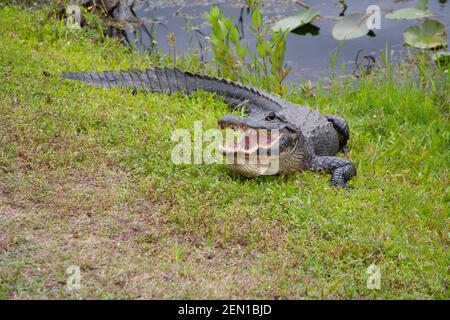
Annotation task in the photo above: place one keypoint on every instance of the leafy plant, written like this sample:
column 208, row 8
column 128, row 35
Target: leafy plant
column 236, row 61
column 252, row 4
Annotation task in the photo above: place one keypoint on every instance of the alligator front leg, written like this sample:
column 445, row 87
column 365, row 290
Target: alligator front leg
column 341, row 169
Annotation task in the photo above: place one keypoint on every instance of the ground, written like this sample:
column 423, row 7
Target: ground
column 86, row 180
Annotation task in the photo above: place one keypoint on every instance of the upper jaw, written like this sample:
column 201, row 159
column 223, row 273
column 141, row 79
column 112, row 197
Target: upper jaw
column 257, row 141
column 235, row 123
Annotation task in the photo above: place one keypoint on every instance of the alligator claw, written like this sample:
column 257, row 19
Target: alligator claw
column 340, row 185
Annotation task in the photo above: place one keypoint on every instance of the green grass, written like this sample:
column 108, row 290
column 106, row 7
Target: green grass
column 86, row 179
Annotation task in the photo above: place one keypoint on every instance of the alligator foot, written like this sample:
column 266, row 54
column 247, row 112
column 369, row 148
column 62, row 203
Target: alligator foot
column 342, row 170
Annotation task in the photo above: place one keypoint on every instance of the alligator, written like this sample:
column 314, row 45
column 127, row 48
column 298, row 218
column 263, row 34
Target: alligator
column 304, row 138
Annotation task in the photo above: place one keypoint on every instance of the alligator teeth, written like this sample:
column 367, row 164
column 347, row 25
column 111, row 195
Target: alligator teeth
column 250, row 142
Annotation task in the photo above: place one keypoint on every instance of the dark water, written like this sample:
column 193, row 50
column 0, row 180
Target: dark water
column 308, row 50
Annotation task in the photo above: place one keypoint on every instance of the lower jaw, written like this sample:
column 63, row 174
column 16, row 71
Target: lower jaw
column 261, row 168
column 254, row 171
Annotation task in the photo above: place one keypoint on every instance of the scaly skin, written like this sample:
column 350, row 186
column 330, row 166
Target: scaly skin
column 310, row 140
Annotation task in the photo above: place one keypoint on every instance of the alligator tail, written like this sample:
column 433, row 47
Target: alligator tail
column 172, row 80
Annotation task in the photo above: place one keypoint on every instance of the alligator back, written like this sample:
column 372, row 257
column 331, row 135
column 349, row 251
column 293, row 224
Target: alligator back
column 316, row 128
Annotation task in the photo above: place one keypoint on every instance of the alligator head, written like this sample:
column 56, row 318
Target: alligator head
column 259, row 144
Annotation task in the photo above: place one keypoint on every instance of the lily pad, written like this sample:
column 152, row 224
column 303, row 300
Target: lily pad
column 298, row 19
column 350, row 27
column 428, row 36
column 418, row 12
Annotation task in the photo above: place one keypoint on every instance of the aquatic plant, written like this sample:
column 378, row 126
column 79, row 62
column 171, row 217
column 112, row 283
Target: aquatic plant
column 234, row 59
column 418, row 12
column 431, row 34
column 296, row 20
column 351, row 26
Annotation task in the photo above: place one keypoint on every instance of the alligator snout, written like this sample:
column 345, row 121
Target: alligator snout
column 232, row 122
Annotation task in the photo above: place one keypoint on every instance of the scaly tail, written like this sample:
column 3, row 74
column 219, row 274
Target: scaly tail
column 171, row 80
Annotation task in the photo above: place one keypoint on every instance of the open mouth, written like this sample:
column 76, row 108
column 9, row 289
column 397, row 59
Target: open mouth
column 249, row 141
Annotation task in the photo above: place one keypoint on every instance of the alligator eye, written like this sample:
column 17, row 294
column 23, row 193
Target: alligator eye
column 271, row 116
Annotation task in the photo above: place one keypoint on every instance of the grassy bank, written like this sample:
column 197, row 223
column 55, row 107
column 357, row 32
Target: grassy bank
column 86, row 179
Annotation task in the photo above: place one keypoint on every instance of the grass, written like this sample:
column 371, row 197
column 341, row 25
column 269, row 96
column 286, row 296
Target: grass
column 86, row 179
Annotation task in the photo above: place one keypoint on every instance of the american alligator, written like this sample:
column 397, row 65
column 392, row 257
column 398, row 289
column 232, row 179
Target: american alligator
column 305, row 139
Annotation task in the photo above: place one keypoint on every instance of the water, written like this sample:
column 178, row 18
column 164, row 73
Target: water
column 307, row 50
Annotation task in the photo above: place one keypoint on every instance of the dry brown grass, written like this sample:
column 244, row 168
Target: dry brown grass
column 120, row 240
